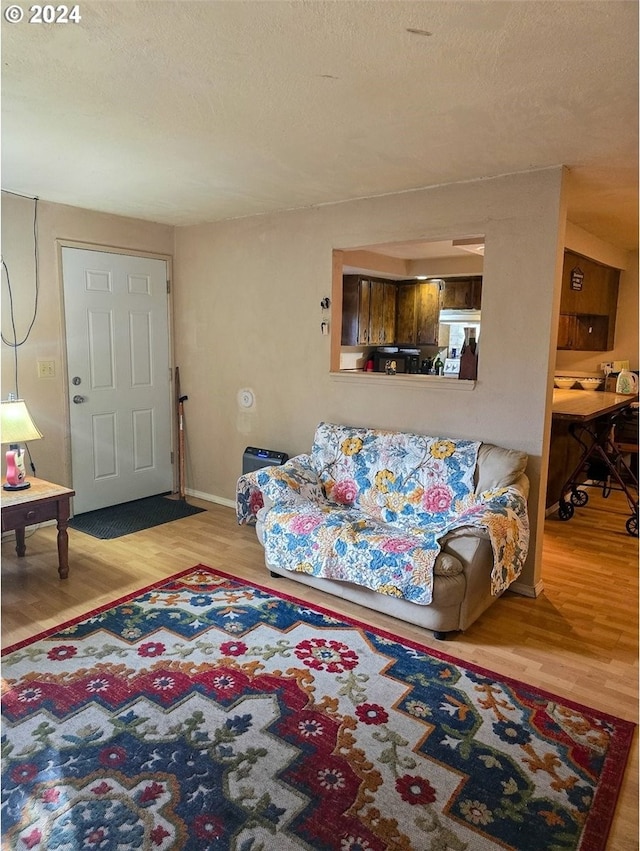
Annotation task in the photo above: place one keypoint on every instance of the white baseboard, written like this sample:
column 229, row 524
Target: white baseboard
column 209, row 497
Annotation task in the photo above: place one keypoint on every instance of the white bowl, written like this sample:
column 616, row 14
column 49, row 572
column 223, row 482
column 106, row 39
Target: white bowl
column 564, row 383
column 591, row 383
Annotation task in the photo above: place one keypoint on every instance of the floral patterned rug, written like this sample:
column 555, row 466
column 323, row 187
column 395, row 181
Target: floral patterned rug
column 207, row 713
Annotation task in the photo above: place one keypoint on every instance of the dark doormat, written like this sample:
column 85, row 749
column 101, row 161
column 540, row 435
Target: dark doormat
column 128, row 517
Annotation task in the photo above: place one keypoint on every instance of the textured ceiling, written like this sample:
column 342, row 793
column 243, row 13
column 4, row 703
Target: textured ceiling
column 184, row 112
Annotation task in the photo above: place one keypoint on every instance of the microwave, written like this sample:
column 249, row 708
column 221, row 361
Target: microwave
column 400, row 362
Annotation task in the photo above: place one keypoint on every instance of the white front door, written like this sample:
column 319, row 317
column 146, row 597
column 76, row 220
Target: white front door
column 119, row 373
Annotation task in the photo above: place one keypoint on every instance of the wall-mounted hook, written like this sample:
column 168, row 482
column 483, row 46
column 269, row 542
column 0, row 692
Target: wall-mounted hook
column 325, row 304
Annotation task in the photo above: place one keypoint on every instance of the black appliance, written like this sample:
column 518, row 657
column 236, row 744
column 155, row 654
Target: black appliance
column 400, row 362
column 255, row 459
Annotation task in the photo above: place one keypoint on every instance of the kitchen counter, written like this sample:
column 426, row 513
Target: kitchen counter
column 416, row 381
column 585, row 405
column 572, row 409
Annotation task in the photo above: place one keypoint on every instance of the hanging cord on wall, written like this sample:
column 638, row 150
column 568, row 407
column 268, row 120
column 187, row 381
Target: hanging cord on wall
column 15, row 343
column 13, row 328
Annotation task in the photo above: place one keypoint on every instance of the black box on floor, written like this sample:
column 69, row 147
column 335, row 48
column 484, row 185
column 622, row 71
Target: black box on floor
column 255, row 459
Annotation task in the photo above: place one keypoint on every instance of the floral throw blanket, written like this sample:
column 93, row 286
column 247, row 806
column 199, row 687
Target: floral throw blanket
column 370, row 507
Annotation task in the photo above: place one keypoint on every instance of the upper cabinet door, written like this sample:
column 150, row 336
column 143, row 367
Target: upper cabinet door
column 461, row 294
column 418, row 314
column 389, row 302
column 590, row 296
column 376, row 313
column 428, row 314
column 356, row 297
column 588, row 287
column 407, row 314
column 364, row 312
column 368, row 311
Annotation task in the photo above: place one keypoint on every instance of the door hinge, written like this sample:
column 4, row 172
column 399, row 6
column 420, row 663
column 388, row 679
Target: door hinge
column 168, row 286
column 172, row 457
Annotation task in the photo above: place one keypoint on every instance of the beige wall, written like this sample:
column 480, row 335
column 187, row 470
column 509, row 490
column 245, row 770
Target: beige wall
column 47, row 397
column 247, row 314
column 247, row 306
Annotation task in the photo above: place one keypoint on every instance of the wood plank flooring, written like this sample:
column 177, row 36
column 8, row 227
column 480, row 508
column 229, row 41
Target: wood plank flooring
column 579, row 639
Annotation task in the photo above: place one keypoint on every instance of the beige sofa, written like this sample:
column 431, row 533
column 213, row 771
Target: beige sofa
column 485, row 533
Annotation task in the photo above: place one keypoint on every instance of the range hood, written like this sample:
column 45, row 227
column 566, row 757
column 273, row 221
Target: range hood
column 449, row 317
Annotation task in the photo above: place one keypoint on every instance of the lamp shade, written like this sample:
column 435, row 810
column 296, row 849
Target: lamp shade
column 16, row 425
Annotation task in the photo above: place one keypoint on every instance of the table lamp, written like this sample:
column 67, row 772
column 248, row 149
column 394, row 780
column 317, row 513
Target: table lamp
column 16, row 426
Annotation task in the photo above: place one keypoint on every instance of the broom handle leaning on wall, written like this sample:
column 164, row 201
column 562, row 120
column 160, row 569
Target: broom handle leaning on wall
column 181, row 465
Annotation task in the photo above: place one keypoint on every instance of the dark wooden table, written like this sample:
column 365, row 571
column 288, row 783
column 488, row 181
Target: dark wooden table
column 41, row 502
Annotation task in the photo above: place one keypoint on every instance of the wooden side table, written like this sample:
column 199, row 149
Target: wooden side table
column 41, row 502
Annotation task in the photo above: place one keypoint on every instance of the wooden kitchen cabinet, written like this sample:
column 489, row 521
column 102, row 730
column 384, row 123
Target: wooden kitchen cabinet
column 350, row 310
column 428, row 314
column 461, row 294
column 582, row 332
column 564, row 455
column 588, row 314
column 417, row 314
column 599, row 287
column 368, row 311
column 379, row 312
column 407, row 313
column 382, row 313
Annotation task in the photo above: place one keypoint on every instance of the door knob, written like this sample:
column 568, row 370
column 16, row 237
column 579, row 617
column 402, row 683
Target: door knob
column 78, row 400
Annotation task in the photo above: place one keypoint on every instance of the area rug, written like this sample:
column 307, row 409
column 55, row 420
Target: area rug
column 128, row 517
column 208, row 713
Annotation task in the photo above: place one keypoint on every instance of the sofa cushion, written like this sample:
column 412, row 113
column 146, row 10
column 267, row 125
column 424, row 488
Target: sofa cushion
column 498, row 467
column 447, row 565
column 341, row 543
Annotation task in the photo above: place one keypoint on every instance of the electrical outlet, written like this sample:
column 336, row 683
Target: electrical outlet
column 46, row 369
column 619, row 365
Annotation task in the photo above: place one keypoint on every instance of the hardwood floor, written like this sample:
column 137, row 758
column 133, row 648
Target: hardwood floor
column 579, row 639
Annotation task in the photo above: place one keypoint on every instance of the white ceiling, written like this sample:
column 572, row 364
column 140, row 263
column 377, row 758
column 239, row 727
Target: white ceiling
column 184, row 112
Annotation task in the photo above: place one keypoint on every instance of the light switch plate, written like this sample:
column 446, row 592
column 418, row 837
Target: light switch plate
column 46, row 369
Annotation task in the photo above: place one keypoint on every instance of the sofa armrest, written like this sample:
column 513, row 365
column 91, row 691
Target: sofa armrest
column 292, row 480
column 520, row 488
column 465, row 532
column 502, row 514
column 249, row 499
